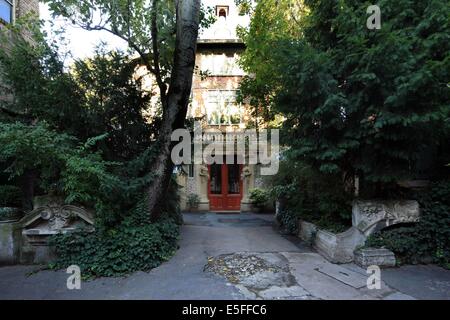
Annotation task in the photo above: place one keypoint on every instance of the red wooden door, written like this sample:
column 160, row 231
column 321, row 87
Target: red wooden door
column 225, row 187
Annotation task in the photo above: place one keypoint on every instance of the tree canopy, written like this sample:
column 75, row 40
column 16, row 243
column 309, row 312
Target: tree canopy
column 355, row 102
column 164, row 35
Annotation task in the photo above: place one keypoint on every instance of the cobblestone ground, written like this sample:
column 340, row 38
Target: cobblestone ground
column 234, row 256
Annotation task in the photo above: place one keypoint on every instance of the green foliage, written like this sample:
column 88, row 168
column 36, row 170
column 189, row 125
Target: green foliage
column 354, row 101
column 8, row 213
column 193, row 200
column 114, row 101
column 54, row 110
column 10, row 196
column 119, row 251
column 429, row 239
column 304, row 193
column 289, row 221
column 259, row 197
column 65, row 167
column 31, row 147
column 34, row 75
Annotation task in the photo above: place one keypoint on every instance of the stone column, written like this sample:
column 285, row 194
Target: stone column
column 248, row 183
column 201, row 174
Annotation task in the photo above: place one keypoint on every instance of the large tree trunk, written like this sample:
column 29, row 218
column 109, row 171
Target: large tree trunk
column 175, row 104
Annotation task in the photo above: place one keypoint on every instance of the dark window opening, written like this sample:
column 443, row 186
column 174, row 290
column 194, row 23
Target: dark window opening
column 216, row 179
column 222, row 11
column 234, row 178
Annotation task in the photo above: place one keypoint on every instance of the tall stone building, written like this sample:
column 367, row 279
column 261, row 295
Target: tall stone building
column 220, row 187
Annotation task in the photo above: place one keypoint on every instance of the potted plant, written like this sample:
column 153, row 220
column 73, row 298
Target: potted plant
column 259, row 199
column 193, row 200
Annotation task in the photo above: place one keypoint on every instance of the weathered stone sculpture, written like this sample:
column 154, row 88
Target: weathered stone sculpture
column 26, row 240
column 45, row 221
column 370, row 216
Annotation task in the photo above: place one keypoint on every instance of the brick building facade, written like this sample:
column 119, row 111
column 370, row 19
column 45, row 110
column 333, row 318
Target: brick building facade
column 220, row 187
column 10, row 10
column 13, row 9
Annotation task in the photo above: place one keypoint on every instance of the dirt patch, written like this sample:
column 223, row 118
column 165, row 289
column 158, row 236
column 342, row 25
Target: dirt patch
column 257, row 275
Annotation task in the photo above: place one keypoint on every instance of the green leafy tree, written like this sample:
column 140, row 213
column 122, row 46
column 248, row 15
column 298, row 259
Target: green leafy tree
column 34, row 81
column 60, row 163
column 81, row 133
column 164, row 35
column 45, row 119
column 114, row 101
column 355, row 102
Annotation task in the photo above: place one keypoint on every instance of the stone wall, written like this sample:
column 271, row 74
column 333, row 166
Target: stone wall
column 21, row 8
column 24, row 7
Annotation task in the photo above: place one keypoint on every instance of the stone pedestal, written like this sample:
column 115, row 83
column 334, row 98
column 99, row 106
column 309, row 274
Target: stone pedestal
column 203, row 205
column 246, row 206
column 307, row 231
column 374, row 256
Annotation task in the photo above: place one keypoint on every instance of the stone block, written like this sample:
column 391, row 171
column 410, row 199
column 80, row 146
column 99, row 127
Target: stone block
column 335, row 247
column 338, row 247
column 306, row 231
column 374, row 256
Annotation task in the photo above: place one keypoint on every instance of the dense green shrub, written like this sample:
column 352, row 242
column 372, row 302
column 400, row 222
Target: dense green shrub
column 8, row 213
column 354, row 101
column 66, row 167
column 119, row 251
column 429, row 239
column 307, row 194
column 56, row 109
column 193, row 200
column 10, row 196
column 259, row 197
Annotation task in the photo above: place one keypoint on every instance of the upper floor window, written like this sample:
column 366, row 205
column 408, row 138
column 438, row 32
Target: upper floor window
column 222, row 11
column 6, row 11
column 221, row 64
column 222, row 108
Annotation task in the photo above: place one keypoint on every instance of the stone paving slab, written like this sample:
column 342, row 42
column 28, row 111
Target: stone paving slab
column 351, row 278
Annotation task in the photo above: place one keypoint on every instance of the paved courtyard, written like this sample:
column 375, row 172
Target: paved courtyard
column 234, row 256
